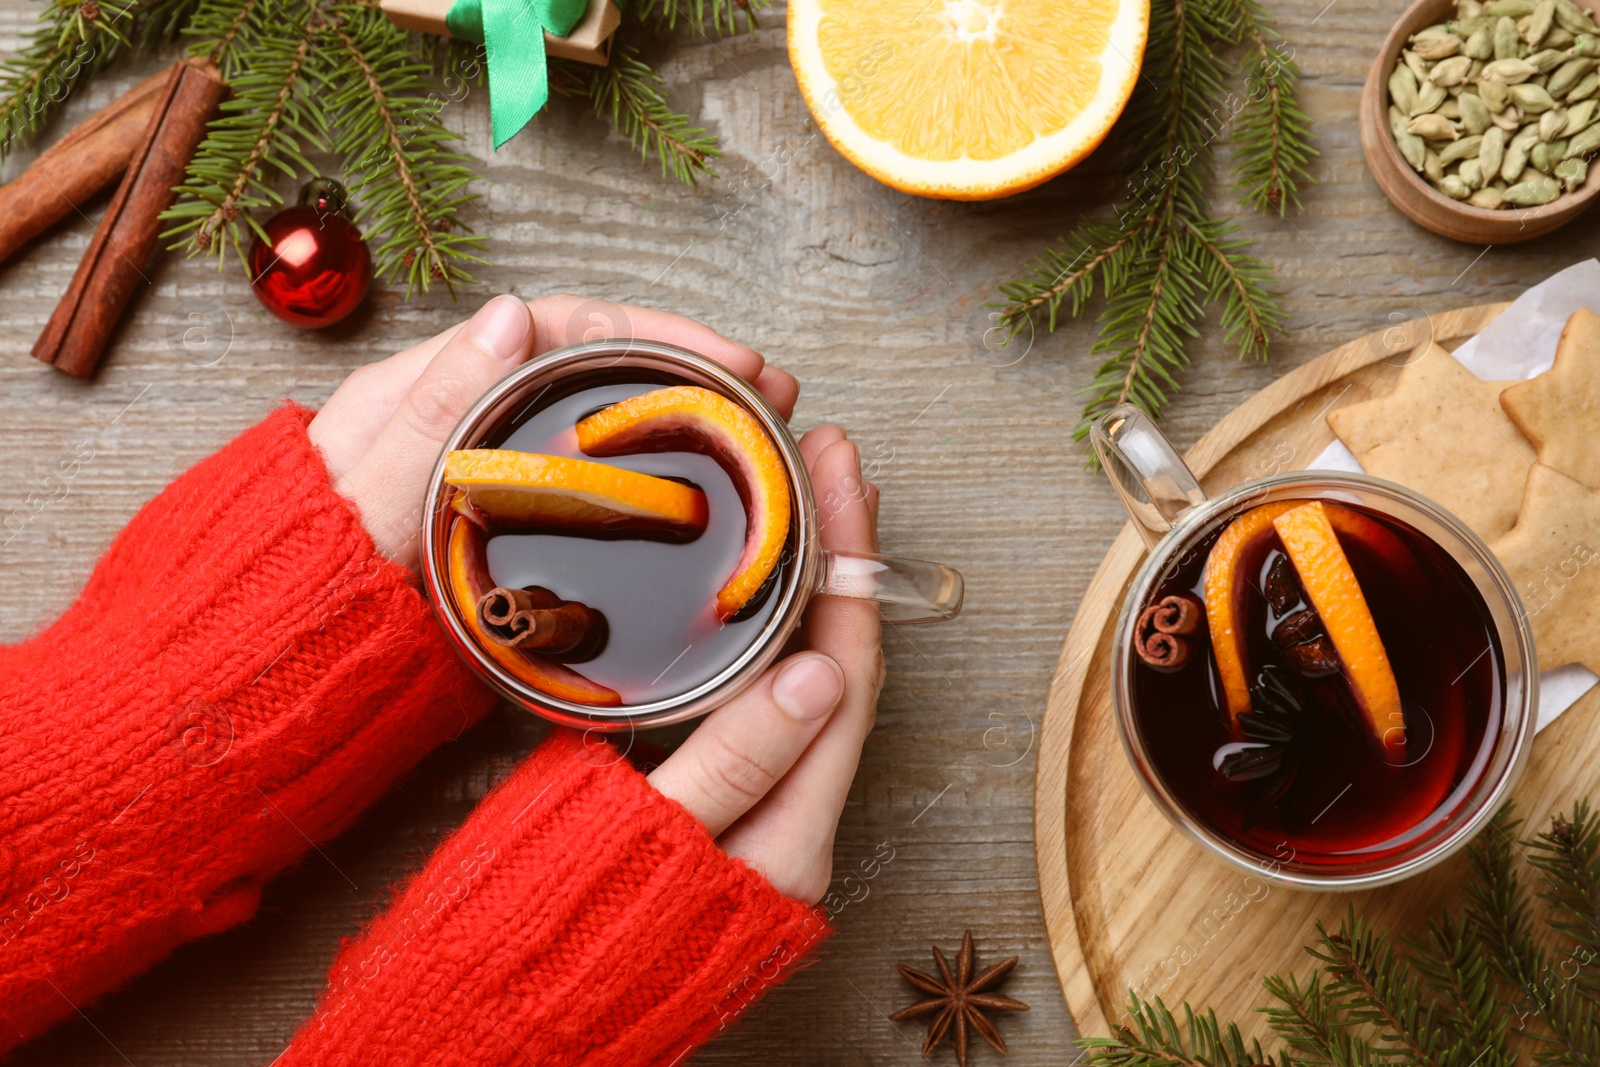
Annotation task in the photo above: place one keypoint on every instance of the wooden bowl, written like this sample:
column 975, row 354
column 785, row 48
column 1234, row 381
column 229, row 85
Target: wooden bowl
column 1411, row 193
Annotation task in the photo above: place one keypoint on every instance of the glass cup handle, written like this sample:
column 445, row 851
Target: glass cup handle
column 1155, row 485
column 905, row 590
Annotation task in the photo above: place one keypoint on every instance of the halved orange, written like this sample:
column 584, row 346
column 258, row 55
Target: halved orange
column 689, row 418
column 1225, row 581
column 469, row 580
column 966, row 99
column 533, row 490
column 1330, row 584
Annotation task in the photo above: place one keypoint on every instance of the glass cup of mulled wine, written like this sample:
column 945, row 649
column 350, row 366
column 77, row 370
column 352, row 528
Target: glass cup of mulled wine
column 1321, row 677
column 623, row 534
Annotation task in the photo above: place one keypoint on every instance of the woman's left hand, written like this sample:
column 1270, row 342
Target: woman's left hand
column 381, row 431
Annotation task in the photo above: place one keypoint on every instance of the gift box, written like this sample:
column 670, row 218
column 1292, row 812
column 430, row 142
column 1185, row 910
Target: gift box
column 589, row 41
column 518, row 36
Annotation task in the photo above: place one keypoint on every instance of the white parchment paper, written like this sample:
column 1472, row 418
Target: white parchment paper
column 1520, row 344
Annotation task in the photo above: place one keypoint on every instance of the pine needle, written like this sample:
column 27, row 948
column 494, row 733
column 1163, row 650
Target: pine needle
column 706, row 17
column 631, row 96
column 1164, row 259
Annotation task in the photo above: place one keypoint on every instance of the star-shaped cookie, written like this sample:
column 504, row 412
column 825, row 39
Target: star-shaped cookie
column 1559, row 411
column 1553, row 557
column 1442, row 433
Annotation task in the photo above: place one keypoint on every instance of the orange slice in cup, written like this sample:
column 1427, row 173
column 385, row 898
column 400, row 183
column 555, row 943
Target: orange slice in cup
column 1226, row 579
column 469, row 580
column 1330, row 584
column 510, row 488
column 689, row 418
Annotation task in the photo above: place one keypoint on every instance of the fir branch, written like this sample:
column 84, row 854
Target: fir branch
column 1379, row 990
column 705, row 17
column 631, row 96
column 410, row 188
column 1448, row 963
column 1569, row 856
column 260, row 133
column 1502, row 923
column 1155, row 1039
column 1311, row 1024
column 1164, row 257
column 71, row 40
column 1272, row 133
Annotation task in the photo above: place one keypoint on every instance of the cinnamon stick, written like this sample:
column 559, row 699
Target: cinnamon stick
column 91, row 156
column 112, row 268
column 535, row 619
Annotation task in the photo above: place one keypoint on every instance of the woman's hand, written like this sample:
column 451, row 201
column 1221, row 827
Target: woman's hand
column 381, row 431
column 767, row 773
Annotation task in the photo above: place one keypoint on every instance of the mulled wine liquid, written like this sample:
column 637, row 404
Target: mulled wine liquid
column 657, row 596
column 1341, row 802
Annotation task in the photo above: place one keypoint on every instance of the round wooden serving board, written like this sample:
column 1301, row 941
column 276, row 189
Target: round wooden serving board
column 1129, row 902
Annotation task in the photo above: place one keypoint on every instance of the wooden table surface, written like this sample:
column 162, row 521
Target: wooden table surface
column 878, row 302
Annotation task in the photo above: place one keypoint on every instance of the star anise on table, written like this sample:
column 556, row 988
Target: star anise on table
column 959, row 1000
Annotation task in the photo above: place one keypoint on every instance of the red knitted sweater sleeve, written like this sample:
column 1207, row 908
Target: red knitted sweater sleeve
column 241, row 675
column 577, row 918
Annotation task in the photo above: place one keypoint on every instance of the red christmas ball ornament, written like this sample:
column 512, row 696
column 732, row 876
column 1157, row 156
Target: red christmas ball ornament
column 313, row 269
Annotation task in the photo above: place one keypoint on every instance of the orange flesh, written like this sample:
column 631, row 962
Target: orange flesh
column 529, row 489
column 469, row 580
column 1330, row 584
column 690, row 418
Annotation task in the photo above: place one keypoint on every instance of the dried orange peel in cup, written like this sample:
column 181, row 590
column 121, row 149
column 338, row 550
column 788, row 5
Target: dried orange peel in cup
column 532, row 490
column 690, row 418
column 469, row 580
column 1309, row 532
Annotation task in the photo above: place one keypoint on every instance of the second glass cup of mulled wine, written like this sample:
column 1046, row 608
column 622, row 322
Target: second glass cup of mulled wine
column 624, row 533
column 1323, row 677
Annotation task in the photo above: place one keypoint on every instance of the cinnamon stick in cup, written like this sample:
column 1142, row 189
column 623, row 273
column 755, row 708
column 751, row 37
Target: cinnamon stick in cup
column 112, row 268
column 91, row 156
column 536, row 619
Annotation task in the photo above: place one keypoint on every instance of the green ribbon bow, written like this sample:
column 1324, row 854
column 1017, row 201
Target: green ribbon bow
column 512, row 33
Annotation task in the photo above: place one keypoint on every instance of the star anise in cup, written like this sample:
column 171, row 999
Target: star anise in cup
column 959, row 1000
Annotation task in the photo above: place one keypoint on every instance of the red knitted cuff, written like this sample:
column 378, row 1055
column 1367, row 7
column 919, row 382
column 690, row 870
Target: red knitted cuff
column 241, row 676
column 578, row 917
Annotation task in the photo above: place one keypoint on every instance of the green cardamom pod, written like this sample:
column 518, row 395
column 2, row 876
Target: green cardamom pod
column 1403, row 89
column 1574, row 19
column 1470, row 173
column 1583, row 144
column 1587, row 44
column 1532, row 99
column 1491, row 153
column 1551, row 123
column 1507, row 45
column 1539, row 22
column 1540, row 190
column 1548, row 60
column 1437, row 47
column 1478, row 45
column 1573, row 173
column 1465, row 148
column 1429, row 98
column 1579, row 116
column 1567, row 75
column 1509, row 71
column 1469, row 9
column 1452, row 71
column 1584, row 89
column 1433, row 127
column 1487, row 197
column 1516, row 157
column 1515, row 9
column 1474, row 113
column 1494, row 94
column 1432, row 167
